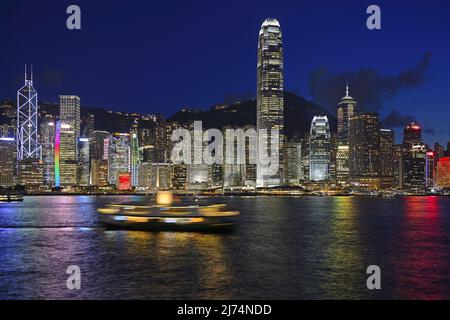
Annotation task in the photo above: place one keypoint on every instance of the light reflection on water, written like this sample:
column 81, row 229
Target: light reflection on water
column 309, row 247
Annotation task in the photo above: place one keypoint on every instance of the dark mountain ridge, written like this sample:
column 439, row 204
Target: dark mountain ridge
column 298, row 114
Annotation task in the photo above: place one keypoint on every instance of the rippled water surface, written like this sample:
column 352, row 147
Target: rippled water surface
column 292, row 248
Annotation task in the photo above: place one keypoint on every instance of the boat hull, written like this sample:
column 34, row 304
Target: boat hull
column 209, row 224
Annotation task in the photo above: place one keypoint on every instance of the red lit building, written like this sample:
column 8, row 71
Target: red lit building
column 124, row 181
column 443, row 173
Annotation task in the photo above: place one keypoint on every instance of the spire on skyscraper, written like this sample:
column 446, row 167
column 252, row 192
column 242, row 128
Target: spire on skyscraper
column 346, row 90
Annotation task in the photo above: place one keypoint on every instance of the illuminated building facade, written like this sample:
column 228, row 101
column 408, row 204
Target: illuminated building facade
column 415, row 168
column 83, row 162
column 145, row 171
column 7, row 161
column 99, row 155
column 412, row 136
column 387, row 154
column 135, row 157
column 119, row 157
column 342, row 164
column 66, row 164
column 319, row 149
column 124, row 181
column 346, row 109
column 293, row 163
column 179, row 177
column 69, row 112
column 99, row 172
column 364, row 145
column 430, row 164
column 30, row 174
column 47, row 142
column 443, row 172
column 270, row 95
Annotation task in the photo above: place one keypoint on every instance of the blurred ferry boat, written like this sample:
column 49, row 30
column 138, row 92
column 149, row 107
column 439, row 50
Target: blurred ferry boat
column 11, row 197
column 164, row 215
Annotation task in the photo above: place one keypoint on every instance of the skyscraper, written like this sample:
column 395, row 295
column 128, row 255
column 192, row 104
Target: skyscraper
column 412, row 136
column 415, row 168
column 347, row 107
column 7, row 161
column 119, row 157
column 69, row 112
column 364, row 143
column 270, row 99
column 430, row 164
column 66, row 164
column 342, row 164
column 293, row 163
column 27, row 121
column 319, row 149
column 443, row 173
column 99, row 154
column 135, row 158
column 387, row 152
column 83, row 162
column 47, row 142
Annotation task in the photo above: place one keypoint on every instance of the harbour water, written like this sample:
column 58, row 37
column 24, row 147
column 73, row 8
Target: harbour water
column 282, row 248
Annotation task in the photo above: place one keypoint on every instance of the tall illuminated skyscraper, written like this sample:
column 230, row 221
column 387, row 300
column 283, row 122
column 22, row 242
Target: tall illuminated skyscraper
column 412, row 136
column 415, row 168
column 47, row 141
column 387, row 141
column 66, row 166
column 83, row 162
column 69, row 112
column 347, row 107
column 270, row 99
column 135, row 157
column 27, row 121
column 364, row 142
column 319, row 149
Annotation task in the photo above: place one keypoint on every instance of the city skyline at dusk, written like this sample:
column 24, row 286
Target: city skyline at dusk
column 222, row 152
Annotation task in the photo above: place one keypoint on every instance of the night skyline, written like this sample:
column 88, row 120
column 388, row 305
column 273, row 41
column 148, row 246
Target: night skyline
column 223, row 157
column 204, row 59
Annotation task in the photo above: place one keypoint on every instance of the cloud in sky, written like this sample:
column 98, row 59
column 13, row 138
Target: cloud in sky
column 369, row 87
